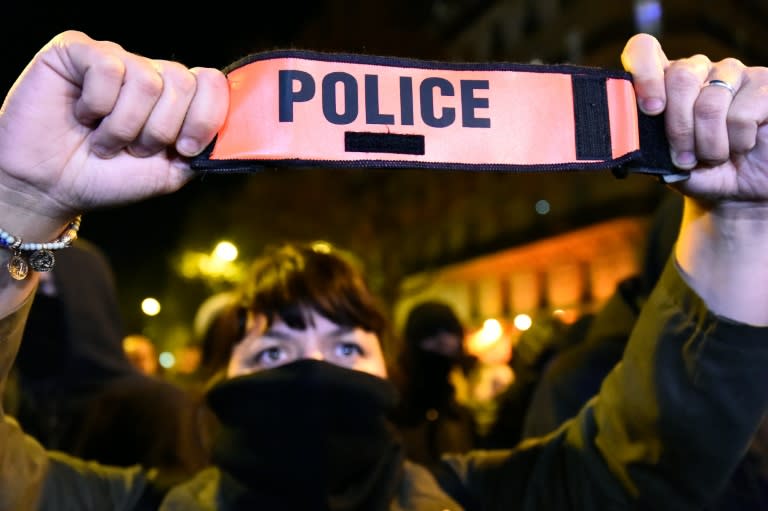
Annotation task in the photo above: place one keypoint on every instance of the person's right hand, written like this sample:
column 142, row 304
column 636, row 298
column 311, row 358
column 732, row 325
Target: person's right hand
column 89, row 124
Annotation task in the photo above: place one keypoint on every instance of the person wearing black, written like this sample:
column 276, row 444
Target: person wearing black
column 429, row 418
column 73, row 388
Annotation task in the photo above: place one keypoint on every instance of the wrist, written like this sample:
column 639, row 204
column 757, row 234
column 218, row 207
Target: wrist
column 721, row 251
column 31, row 225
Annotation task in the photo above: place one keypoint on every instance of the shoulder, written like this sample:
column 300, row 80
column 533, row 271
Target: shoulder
column 419, row 489
column 196, row 494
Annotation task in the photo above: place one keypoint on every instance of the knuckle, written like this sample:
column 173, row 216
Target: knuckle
column 122, row 132
column 759, row 76
column 739, row 122
column 68, row 36
column 711, row 151
column 679, row 130
column 159, row 135
column 178, row 76
column 150, row 84
column 708, row 110
column 731, row 64
column 210, row 76
column 201, row 126
column 680, row 79
column 112, row 69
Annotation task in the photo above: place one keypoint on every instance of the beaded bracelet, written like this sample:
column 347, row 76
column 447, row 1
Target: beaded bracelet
column 40, row 256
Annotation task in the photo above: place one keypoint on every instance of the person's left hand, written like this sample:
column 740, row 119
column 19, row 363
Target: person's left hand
column 715, row 115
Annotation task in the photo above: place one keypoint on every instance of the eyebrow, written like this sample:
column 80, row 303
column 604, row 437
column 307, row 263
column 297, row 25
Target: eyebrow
column 285, row 336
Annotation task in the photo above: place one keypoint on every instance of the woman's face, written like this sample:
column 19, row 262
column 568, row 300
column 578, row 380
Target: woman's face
column 322, row 339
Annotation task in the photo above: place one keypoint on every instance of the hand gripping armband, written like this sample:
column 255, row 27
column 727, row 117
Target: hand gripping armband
column 305, row 108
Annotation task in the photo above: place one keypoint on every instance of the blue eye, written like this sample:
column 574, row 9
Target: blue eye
column 269, row 356
column 349, row 349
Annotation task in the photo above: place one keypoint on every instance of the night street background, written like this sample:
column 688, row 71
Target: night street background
column 399, row 222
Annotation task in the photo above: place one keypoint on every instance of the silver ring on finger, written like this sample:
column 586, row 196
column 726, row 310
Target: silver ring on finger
column 722, row 83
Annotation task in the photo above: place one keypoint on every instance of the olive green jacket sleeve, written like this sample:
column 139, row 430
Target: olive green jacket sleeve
column 669, row 425
column 33, row 479
column 23, row 463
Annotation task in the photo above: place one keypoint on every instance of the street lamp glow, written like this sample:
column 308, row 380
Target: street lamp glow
column 492, row 330
column 150, row 306
column 523, row 322
column 225, row 251
column 321, row 247
column 167, row 360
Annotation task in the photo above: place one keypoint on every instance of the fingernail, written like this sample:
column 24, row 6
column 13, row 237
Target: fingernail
column 101, row 151
column 684, row 159
column 652, row 105
column 188, row 146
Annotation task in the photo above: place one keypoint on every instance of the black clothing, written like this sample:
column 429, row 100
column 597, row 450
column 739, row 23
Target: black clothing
column 315, row 426
column 77, row 392
column 667, row 430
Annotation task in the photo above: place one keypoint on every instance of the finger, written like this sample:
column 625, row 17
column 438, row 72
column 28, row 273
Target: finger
column 206, row 113
column 142, row 87
column 711, row 111
column 749, row 111
column 684, row 79
column 99, row 70
column 164, row 123
column 644, row 58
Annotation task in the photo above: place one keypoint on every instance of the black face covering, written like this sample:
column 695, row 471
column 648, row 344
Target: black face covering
column 430, row 385
column 43, row 354
column 307, row 435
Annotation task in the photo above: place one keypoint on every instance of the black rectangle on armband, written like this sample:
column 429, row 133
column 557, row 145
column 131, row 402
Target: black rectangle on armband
column 593, row 124
column 392, row 143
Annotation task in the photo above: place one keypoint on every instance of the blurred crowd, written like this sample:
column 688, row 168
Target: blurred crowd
column 83, row 386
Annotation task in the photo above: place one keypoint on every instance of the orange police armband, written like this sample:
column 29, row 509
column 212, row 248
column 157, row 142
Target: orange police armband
column 305, row 108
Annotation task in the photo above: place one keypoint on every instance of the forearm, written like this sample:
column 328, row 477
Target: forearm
column 676, row 416
column 722, row 253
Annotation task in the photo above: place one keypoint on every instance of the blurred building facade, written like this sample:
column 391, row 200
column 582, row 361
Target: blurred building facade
column 564, row 276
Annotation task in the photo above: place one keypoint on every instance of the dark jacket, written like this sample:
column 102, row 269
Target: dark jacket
column 575, row 374
column 75, row 389
column 669, row 426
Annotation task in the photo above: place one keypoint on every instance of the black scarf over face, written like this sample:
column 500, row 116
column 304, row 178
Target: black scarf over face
column 307, row 435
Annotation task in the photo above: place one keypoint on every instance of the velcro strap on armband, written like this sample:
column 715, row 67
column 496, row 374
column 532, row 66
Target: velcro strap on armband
column 304, row 108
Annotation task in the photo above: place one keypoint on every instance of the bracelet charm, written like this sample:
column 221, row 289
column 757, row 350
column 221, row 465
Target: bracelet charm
column 40, row 256
column 41, row 260
column 18, row 267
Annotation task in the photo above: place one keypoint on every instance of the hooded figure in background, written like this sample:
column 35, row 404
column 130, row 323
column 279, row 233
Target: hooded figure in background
column 74, row 388
column 575, row 374
column 430, row 419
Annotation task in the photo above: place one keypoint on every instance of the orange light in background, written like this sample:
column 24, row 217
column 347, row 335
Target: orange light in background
column 566, row 316
column 522, row 322
column 490, row 343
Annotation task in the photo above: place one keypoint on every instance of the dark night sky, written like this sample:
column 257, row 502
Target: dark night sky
column 136, row 238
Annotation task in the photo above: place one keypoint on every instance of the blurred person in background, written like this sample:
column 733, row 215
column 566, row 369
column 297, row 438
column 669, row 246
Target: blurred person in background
column 430, row 419
column 574, row 374
column 141, row 352
column 74, row 388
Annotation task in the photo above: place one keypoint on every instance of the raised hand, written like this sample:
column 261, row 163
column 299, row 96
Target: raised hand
column 716, row 116
column 89, row 124
column 716, row 123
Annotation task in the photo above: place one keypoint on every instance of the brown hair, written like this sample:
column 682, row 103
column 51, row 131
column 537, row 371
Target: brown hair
column 294, row 277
